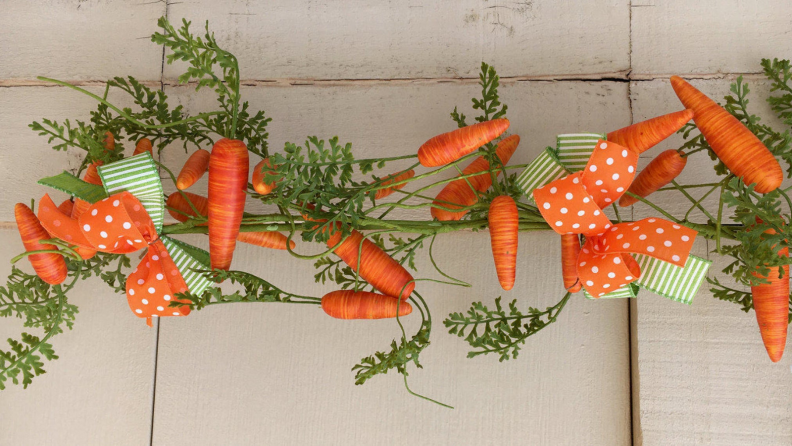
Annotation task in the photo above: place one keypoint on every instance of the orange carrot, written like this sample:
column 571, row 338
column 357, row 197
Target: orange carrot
column 228, row 174
column 503, row 236
column 644, row 135
column 382, row 193
column 50, row 267
column 659, row 172
column 458, row 191
column 771, row 303
column 739, row 149
column 178, row 203
column 91, row 176
column 267, row 239
column 66, row 207
column 259, row 173
column 109, row 142
column 194, row 168
column 570, row 249
column 448, row 147
column 144, row 145
column 348, row 304
column 376, row 266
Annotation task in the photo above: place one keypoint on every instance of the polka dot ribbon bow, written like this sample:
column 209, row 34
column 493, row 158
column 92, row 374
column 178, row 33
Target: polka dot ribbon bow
column 573, row 205
column 127, row 220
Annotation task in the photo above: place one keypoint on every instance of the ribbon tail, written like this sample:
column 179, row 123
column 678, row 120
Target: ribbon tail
column 188, row 260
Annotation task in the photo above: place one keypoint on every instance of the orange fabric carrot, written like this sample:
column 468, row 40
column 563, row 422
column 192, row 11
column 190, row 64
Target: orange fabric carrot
column 144, row 145
column 194, row 168
column 570, row 249
column 109, row 142
column 458, row 191
column 739, row 149
column 382, row 193
column 178, row 203
column 644, row 135
column 259, row 173
column 771, row 303
column 659, row 172
column 376, row 266
column 91, row 176
column 66, row 207
column 503, row 236
column 228, row 174
column 348, row 304
column 267, row 239
column 448, row 147
column 50, row 267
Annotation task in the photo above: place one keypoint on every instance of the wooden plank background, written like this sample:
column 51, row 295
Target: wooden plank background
column 384, row 76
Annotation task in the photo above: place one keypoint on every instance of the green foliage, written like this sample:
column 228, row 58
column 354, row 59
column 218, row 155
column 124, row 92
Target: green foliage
column 498, row 331
column 779, row 72
column 400, row 355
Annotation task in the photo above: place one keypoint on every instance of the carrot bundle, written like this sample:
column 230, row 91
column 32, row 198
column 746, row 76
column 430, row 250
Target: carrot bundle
column 503, row 237
column 259, row 173
column 228, row 174
column 448, row 147
column 50, row 267
column 144, row 145
column 739, row 149
column 570, row 249
column 644, row 135
column 771, row 303
column 182, row 211
column 659, row 172
column 194, row 168
column 348, row 304
column 382, row 193
column 376, row 266
column 459, row 192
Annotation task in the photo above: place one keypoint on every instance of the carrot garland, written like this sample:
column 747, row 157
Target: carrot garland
column 570, row 249
column 382, row 193
column 449, row 147
column 459, row 192
column 144, row 145
column 259, row 173
column 771, row 303
column 228, row 174
column 644, row 135
column 376, row 266
column 659, row 172
column 50, row 267
column 194, row 168
column 348, row 304
column 503, row 236
column 739, row 149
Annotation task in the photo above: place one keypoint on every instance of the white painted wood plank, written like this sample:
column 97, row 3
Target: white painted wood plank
column 79, row 39
column 364, row 39
column 279, row 374
column 708, row 36
column 100, row 390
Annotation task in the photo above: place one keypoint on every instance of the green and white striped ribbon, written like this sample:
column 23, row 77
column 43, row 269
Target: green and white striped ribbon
column 139, row 176
column 188, row 265
column 543, row 170
column 574, row 149
column 679, row 284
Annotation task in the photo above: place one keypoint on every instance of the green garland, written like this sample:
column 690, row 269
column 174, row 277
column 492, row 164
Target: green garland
column 324, row 172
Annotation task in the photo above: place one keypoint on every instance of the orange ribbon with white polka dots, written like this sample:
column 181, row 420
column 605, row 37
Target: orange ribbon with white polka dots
column 120, row 224
column 573, row 205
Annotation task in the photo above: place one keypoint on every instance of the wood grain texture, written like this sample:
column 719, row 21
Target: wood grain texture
column 100, row 390
column 79, row 39
column 261, row 373
column 369, row 39
column 708, row 37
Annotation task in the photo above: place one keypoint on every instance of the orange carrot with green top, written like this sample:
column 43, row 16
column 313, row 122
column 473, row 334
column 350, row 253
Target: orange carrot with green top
column 348, row 304
column 382, row 193
column 739, row 149
column 459, row 192
column 266, row 239
column 144, row 145
column 644, row 135
column 259, row 173
column 503, row 226
column 771, row 303
column 50, row 267
column 194, row 168
column 570, row 249
column 659, row 172
column 449, row 147
column 228, row 175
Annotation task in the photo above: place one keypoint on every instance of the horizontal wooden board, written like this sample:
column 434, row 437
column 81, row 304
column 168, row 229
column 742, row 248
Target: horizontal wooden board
column 100, row 390
column 365, row 39
column 707, row 37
